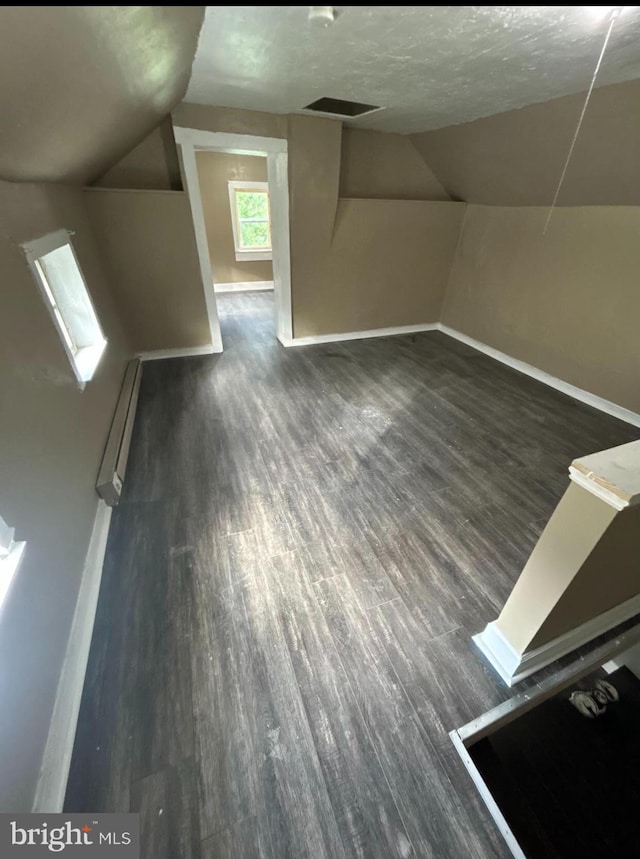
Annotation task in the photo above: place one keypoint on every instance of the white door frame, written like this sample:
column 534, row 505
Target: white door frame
column 275, row 149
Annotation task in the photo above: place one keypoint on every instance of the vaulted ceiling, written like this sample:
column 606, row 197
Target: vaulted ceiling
column 81, row 85
column 427, row 66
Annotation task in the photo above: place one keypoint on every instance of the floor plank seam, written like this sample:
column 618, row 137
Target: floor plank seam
column 369, row 734
column 307, row 719
column 380, row 604
column 427, row 738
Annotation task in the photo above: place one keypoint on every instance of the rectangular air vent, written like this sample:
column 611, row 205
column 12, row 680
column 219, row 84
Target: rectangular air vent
column 339, row 107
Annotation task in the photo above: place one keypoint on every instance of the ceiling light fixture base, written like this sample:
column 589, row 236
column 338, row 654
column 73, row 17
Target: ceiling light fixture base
column 323, row 15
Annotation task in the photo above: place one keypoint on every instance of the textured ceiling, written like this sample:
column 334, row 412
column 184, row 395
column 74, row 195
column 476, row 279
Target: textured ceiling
column 81, row 85
column 429, row 66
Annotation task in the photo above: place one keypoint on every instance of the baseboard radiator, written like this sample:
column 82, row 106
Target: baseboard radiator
column 116, row 452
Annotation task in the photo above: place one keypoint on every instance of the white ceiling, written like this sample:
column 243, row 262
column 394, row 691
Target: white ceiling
column 429, row 66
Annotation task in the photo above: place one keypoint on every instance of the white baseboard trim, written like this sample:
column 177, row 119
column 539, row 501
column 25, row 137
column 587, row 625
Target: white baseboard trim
column 361, row 335
column 54, row 771
column 528, row 369
column 187, row 352
column 248, row 286
column 502, row 655
column 513, row 666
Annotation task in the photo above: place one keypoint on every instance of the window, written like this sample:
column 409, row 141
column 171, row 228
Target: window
column 251, row 220
column 57, row 273
column 10, row 556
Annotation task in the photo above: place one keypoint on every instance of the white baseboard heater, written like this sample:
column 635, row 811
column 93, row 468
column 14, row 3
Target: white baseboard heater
column 116, row 452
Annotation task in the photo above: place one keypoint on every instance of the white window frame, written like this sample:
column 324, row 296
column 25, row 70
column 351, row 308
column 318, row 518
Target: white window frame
column 83, row 360
column 248, row 254
column 11, row 554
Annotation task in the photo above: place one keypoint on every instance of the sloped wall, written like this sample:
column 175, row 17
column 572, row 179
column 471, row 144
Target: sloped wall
column 516, row 158
column 151, row 165
column 80, row 85
column 52, row 439
column 385, row 166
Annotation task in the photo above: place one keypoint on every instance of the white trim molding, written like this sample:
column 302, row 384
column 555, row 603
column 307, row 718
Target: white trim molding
column 502, row 655
column 513, row 666
column 361, row 335
column 571, row 390
column 276, row 151
column 287, row 340
column 528, row 369
column 187, row 352
column 278, row 177
column 235, row 144
column 244, row 286
column 254, row 256
column 56, row 760
column 192, row 187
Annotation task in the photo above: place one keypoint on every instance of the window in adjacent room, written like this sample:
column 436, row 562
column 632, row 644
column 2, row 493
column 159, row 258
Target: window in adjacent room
column 251, row 220
column 57, row 272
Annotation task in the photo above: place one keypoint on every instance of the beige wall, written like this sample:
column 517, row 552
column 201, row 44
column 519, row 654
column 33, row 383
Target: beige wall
column 152, row 164
column 215, row 169
column 387, row 265
column 314, row 172
column 566, row 302
column 516, row 158
column 148, row 245
column 355, row 264
column 52, row 436
column 385, row 166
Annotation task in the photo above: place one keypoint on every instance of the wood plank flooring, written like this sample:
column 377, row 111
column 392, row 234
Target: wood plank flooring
column 307, row 539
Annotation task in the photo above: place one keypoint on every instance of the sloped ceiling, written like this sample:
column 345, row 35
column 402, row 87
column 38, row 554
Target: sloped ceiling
column 81, row 85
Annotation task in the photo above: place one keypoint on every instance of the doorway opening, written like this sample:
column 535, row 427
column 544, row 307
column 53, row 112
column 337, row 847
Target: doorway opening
column 240, row 221
column 234, row 190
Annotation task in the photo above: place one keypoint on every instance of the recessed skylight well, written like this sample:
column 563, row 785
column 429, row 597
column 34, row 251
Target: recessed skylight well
column 340, row 107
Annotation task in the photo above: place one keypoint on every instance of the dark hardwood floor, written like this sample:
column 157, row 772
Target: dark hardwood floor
column 307, row 539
